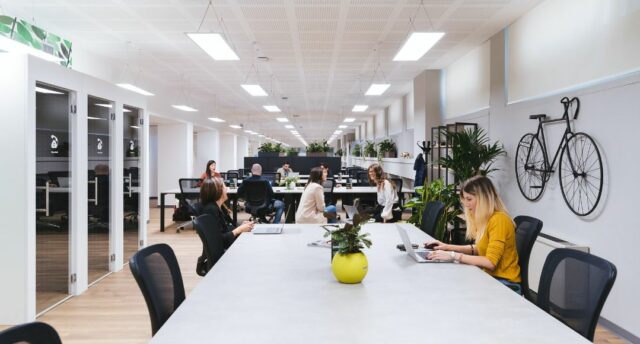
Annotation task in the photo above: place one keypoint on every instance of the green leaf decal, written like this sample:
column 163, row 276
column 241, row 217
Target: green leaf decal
column 64, row 51
column 39, row 32
column 7, row 20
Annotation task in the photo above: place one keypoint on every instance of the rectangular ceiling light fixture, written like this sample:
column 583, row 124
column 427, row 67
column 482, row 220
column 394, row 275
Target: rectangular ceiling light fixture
column 289, row 126
column 349, row 120
column 235, row 126
column 8, row 44
column 360, row 108
column 282, row 119
column 216, row 119
column 135, row 89
column 376, row 89
column 343, row 126
column 185, row 108
column 271, row 108
column 254, row 90
column 214, row 45
column 417, row 45
column 46, row 90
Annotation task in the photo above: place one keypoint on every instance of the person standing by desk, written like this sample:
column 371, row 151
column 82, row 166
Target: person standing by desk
column 284, row 170
column 493, row 231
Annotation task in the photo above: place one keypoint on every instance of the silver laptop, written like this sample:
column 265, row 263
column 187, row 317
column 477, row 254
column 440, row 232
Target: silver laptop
column 268, row 229
column 419, row 256
column 294, row 174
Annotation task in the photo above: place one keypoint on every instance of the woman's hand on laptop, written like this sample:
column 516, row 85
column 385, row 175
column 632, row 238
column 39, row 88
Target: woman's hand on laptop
column 436, row 245
column 246, row 226
column 443, row 256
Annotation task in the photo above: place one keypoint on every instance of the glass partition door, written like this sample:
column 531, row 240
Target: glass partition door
column 53, row 194
column 132, row 134
column 99, row 164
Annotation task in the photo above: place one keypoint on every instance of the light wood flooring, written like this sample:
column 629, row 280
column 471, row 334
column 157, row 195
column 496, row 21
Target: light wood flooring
column 113, row 310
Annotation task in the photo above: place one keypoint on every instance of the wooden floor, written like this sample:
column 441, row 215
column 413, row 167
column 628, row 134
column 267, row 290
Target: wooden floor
column 113, row 310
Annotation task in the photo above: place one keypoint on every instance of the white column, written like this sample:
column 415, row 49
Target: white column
column 427, row 105
column 116, row 188
column 78, row 238
column 228, row 152
column 175, row 156
column 207, row 147
column 243, row 151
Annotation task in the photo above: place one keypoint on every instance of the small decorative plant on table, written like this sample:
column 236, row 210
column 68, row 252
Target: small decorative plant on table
column 289, row 182
column 387, row 149
column 349, row 264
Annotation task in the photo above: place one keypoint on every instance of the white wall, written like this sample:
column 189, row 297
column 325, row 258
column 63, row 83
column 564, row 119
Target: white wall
column 370, row 125
column 175, row 159
column 396, row 116
column 380, row 122
column 207, row 147
column 153, row 161
column 467, row 82
column 228, row 152
column 563, row 43
column 242, row 152
column 408, row 109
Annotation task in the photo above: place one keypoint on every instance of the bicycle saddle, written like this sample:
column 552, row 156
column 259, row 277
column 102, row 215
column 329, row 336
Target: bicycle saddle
column 540, row 115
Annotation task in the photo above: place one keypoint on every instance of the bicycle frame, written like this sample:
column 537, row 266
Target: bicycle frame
column 568, row 103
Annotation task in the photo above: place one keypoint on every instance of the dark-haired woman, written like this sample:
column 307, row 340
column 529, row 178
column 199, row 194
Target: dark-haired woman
column 312, row 207
column 387, row 196
column 210, row 171
column 213, row 195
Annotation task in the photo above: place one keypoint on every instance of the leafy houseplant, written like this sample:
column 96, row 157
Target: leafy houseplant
column 357, row 150
column 339, row 152
column 269, row 149
column 291, row 151
column 318, row 149
column 370, row 149
column 387, row 149
column 471, row 154
column 349, row 264
column 289, row 182
column 436, row 191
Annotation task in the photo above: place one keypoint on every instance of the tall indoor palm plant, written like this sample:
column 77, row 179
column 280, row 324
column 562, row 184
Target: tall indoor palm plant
column 471, row 154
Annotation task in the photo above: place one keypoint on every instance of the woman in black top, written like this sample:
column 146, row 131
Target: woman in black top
column 213, row 195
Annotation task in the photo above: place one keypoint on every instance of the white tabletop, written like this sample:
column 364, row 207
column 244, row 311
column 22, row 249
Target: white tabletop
column 298, row 190
column 276, row 289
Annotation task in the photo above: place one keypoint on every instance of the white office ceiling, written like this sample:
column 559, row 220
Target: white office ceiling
column 321, row 54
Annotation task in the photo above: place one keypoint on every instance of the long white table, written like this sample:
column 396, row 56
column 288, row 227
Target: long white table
column 276, row 289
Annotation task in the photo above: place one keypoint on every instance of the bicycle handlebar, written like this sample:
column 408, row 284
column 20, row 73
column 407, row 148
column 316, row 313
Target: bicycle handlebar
column 568, row 103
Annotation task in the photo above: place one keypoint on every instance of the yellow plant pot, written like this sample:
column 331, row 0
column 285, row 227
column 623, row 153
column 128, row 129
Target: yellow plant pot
column 350, row 268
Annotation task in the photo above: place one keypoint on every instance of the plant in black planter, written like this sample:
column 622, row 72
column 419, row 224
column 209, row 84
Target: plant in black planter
column 318, row 149
column 436, row 191
column 370, row 149
column 357, row 150
column 471, row 154
column 387, row 149
column 269, row 149
column 291, row 151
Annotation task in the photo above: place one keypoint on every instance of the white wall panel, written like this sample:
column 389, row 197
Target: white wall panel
column 396, row 116
column 467, row 82
column 380, row 122
column 408, row 108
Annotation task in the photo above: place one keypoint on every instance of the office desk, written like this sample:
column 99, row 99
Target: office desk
column 276, row 289
column 278, row 190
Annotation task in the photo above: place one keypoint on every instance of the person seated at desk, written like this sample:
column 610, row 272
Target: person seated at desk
column 325, row 170
column 284, row 170
column 493, row 231
column 213, row 195
column 388, row 209
column 210, row 171
column 312, row 207
column 256, row 174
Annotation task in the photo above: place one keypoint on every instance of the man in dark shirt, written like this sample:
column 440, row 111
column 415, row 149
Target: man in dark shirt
column 256, row 174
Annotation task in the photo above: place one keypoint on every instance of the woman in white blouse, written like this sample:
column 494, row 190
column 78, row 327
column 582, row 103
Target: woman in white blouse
column 387, row 196
column 312, row 207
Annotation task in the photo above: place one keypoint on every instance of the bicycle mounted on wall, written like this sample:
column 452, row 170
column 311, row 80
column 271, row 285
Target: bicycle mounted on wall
column 579, row 169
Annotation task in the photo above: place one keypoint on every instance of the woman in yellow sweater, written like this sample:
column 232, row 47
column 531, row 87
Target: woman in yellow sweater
column 492, row 230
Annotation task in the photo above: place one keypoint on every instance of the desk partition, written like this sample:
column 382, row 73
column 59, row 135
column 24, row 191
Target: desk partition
column 301, row 164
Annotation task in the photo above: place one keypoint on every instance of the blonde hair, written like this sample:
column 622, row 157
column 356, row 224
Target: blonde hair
column 487, row 203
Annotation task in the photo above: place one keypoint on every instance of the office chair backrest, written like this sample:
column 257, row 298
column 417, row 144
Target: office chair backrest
column 430, row 216
column 230, row 177
column 363, row 178
column 211, row 236
column 398, row 183
column 157, row 273
column 527, row 230
column 574, row 286
column 243, row 172
column 256, row 193
column 30, row 333
column 327, row 187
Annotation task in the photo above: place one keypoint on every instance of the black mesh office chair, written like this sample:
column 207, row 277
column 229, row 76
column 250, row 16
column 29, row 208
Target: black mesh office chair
column 257, row 202
column 212, row 242
column 574, row 286
column 328, row 186
column 398, row 184
column 30, row 333
column 243, row 172
column 430, row 216
column 362, row 178
column 189, row 199
column 156, row 270
column 230, row 178
column 527, row 230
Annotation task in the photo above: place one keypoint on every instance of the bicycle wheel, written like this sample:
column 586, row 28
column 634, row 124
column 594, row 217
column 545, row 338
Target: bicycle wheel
column 531, row 167
column 581, row 174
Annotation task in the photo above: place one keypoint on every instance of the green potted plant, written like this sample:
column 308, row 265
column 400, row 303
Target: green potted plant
column 291, row 151
column 269, row 149
column 436, row 191
column 339, row 152
column 357, row 150
column 370, row 149
column 387, row 149
column 471, row 154
column 289, row 182
column 318, row 148
column 349, row 265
